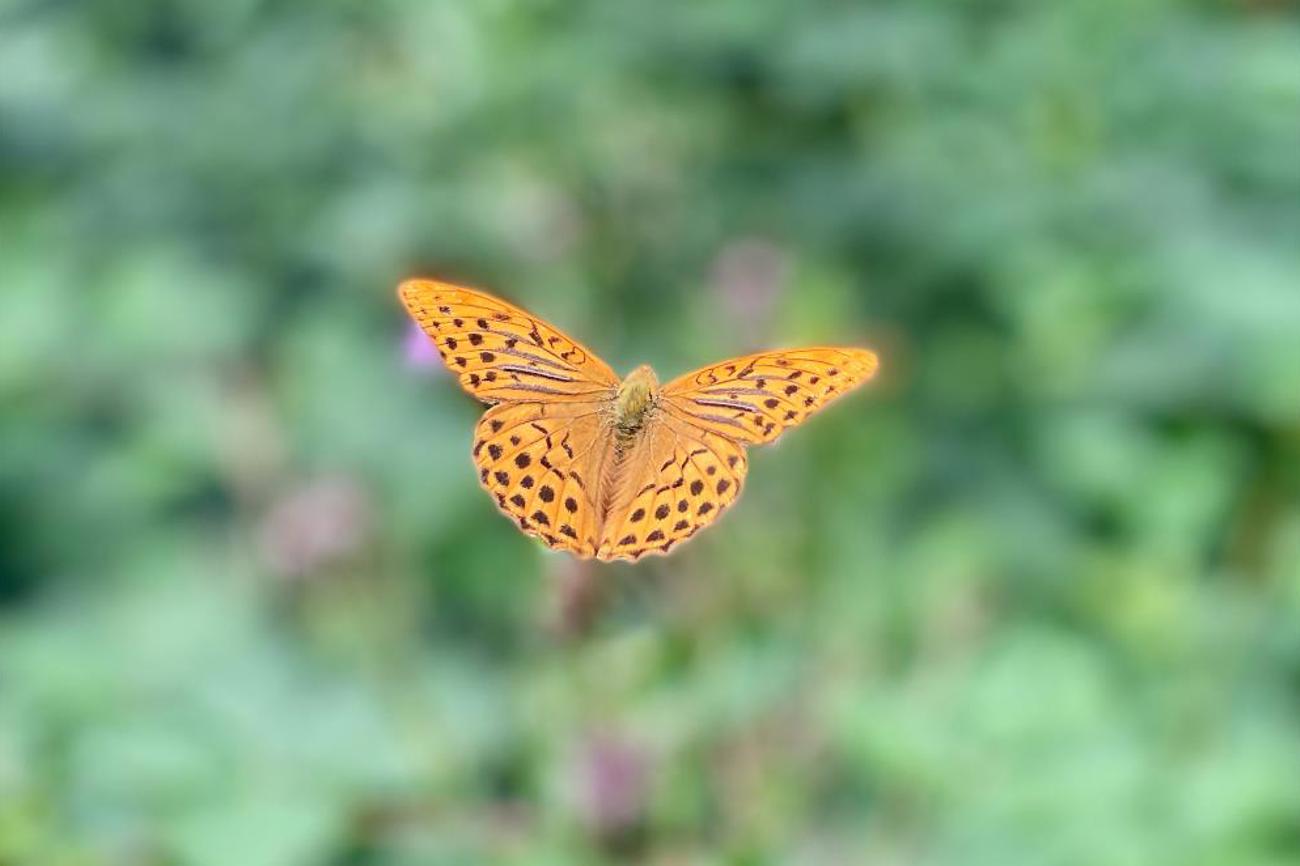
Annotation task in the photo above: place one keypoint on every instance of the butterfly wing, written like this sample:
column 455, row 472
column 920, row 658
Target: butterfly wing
column 501, row 353
column 688, row 465
column 546, row 465
column 543, row 450
column 676, row 479
column 756, row 398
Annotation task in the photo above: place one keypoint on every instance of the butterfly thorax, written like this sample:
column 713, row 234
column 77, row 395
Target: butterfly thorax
column 636, row 396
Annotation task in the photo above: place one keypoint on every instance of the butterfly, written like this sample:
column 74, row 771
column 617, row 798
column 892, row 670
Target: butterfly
column 613, row 468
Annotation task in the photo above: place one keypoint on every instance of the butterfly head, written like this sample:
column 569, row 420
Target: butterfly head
column 635, row 398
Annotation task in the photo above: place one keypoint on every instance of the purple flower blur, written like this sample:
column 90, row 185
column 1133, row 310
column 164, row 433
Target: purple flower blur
column 749, row 276
column 419, row 351
column 614, row 779
column 315, row 525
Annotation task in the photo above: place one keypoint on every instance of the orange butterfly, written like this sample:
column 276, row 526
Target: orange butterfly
column 611, row 468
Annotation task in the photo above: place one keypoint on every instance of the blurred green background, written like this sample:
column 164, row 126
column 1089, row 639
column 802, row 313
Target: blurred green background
column 1031, row 598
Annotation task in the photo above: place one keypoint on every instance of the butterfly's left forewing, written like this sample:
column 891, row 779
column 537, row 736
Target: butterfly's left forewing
column 502, row 353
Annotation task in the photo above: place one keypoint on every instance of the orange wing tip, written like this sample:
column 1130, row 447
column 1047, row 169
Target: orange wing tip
column 417, row 285
column 419, row 288
column 414, row 285
column 411, row 294
column 868, row 359
column 865, row 362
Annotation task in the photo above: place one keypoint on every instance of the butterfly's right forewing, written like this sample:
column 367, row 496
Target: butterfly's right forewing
column 756, row 398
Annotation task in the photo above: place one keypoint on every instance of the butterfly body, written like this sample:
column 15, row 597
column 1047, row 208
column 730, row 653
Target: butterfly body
column 608, row 468
column 636, row 398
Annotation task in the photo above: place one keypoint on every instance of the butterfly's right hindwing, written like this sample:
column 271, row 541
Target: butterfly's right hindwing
column 676, row 480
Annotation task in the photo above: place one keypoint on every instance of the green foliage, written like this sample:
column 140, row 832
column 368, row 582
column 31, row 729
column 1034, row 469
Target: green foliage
column 1034, row 598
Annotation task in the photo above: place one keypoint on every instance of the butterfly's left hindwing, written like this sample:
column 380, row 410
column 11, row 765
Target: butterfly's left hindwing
column 502, row 354
column 546, row 467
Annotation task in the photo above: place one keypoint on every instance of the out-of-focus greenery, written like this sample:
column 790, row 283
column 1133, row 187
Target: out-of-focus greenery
column 1033, row 598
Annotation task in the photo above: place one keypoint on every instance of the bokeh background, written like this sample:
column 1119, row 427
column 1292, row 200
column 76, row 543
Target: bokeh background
column 1032, row 598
